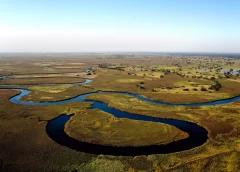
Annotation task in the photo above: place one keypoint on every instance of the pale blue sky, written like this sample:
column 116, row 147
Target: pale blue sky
column 104, row 25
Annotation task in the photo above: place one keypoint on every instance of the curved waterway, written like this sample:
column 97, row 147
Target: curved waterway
column 55, row 128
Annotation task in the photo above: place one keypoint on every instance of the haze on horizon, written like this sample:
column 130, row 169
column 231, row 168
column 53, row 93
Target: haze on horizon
column 137, row 25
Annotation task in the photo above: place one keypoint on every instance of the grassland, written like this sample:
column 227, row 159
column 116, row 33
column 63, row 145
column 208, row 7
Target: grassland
column 51, row 89
column 25, row 145
column 169, row 89
column 134, row 105
column 54, row 93
column 102, row 128
column 222, row 122
column 42, row 81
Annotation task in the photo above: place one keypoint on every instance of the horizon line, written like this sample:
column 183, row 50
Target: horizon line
column 75, row 52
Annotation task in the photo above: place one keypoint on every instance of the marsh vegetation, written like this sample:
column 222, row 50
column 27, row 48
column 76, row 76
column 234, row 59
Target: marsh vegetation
column 170, row 78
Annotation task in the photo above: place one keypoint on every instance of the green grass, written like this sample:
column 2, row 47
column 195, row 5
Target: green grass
column 129, row 80
column 222, row 122
column 98, row 127
column 205, row 116
column 51, row 89
column 54, row 93
column 25, row 145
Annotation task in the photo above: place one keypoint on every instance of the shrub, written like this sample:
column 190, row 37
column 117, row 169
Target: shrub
column 215, row 86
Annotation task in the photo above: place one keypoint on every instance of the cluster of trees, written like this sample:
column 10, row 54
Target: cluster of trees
column 166, row 71
column 230, row 73
column 104, row 65
column 120, row 68
column 108, row 66
column 216, row 86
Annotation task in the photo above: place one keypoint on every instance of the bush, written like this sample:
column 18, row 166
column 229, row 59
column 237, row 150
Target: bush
column 203, row 89
column 215, row 86
column 212, row 78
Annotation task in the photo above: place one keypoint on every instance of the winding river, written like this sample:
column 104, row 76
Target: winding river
column 55, row 128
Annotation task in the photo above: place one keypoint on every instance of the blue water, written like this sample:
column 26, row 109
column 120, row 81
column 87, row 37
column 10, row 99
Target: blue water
column 3, row 77
column 55, row 128
column 23, row 92
column 197, row 136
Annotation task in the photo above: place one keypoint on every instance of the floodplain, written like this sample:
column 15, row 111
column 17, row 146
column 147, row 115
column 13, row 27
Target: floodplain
column 176, row 79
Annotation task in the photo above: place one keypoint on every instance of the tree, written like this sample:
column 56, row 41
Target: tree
column 216, row 86
column 203, row 89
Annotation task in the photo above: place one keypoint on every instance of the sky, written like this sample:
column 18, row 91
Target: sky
column 120, row 25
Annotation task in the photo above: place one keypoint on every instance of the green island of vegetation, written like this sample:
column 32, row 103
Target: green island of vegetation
column 102, row 128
